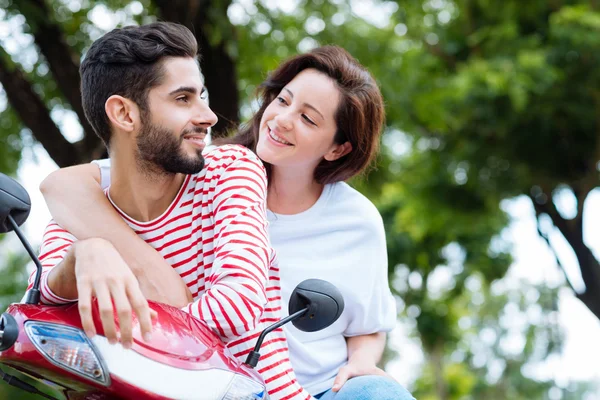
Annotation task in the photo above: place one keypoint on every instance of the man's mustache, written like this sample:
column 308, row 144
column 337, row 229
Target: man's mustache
column 197, row 129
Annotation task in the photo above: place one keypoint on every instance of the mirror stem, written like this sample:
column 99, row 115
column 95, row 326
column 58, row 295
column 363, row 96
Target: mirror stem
column 254, row 355
column 33, row 295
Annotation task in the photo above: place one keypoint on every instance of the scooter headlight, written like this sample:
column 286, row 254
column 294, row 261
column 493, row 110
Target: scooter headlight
column 68, row 348
column 242, row 388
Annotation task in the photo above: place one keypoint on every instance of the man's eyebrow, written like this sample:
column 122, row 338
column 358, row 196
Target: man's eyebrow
column 186, row 89
column 305, row 104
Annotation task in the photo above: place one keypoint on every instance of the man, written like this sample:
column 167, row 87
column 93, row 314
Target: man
column 143, row 95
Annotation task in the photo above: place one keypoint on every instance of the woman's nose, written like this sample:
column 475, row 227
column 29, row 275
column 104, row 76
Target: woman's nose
column 284, row 120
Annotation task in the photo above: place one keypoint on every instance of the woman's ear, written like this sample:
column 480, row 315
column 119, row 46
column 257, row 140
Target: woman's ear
column 122, row 113
column 340, row 150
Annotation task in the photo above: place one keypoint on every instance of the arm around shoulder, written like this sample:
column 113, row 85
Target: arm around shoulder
column 78, row 203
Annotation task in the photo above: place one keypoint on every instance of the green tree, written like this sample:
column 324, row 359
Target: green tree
column 504, row 95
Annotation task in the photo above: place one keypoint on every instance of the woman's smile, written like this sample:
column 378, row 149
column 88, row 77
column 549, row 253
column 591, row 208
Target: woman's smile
column 276, row 138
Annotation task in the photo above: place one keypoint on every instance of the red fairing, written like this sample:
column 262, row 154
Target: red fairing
column 178, row 340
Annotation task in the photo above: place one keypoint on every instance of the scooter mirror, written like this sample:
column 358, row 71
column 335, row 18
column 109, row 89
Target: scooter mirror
column 324, row 301
column 14, row 201
column 314, row 305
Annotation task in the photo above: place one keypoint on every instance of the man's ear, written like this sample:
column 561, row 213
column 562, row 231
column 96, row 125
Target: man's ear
column 123, row 113
column 340, row 150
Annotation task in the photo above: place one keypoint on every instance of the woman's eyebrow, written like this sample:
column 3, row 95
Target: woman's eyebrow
column 305, row 104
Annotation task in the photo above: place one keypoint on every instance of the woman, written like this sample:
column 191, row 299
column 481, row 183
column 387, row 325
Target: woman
column 319, row 124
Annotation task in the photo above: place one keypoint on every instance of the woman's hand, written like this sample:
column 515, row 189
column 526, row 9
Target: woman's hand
column 364, row 352
column 353, row 369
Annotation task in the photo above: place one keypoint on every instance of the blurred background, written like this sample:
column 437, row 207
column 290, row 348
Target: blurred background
column 487, row 180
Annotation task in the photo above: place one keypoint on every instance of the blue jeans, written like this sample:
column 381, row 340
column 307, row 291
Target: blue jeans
column 369, row 387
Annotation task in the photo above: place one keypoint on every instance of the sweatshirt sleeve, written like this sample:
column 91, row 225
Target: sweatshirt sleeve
column 236, row 295
column 376, row 310
column 104, row 166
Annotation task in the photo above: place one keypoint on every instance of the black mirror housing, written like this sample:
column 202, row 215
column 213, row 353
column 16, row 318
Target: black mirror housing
column 314, row 305
column 14, row 201
column 324, row 301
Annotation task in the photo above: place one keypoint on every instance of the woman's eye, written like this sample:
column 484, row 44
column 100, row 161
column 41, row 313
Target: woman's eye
column 281, row 100
column 308, row 119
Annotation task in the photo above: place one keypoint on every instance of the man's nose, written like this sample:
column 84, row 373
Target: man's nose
column 204, row 116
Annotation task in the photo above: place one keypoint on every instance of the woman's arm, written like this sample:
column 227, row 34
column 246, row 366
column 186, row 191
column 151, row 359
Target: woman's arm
column 367, row 348
column 364, row 352
column 77, row 202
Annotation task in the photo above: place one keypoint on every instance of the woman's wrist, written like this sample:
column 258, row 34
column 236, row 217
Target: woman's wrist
column 362, row 357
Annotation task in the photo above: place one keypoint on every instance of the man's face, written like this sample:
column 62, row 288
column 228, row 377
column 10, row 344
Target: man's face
column 171, row 138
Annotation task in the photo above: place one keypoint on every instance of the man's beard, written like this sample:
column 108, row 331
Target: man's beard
column 160, row 152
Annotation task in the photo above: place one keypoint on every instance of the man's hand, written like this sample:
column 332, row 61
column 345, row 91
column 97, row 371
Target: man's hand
column 101, row 272
column 353, row 369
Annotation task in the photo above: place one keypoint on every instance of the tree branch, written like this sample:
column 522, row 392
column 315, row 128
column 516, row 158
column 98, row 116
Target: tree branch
column 549, row 208
column 63, row 63
column 588, row 264
column 547, row 240
column 34, row 113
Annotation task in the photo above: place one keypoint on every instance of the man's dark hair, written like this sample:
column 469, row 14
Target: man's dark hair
column 127, row 62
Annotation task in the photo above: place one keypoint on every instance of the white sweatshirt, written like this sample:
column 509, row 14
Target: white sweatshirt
column 339, row 239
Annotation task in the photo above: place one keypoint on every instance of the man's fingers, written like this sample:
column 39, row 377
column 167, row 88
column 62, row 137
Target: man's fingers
column 84, row 291
column 106, row 312
column 123, row 308
column 141, row 308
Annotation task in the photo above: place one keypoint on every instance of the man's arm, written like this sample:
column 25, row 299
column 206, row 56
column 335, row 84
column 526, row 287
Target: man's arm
column 236, row 292
column 77, row 202
column 79, row 270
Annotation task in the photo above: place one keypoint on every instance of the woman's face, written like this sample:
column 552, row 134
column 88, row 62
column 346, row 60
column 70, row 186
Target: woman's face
column 298, row 127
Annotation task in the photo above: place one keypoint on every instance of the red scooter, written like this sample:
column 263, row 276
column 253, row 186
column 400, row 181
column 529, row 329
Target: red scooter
column 184, row 360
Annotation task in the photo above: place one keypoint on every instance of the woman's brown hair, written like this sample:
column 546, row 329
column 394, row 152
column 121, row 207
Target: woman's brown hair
column 359, row 118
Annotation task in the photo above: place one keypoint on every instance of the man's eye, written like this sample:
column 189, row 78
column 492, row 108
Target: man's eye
column 204, row 95
column 182, row 98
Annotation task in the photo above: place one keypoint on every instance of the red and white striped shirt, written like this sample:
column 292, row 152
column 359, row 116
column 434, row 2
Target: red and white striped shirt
column 215, row 236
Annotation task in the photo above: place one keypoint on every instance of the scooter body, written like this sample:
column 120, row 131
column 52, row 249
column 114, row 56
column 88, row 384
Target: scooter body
column 184, row 359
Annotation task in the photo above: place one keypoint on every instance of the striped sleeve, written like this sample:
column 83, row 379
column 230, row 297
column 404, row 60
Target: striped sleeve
column 236, row 292
column 55, row 245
